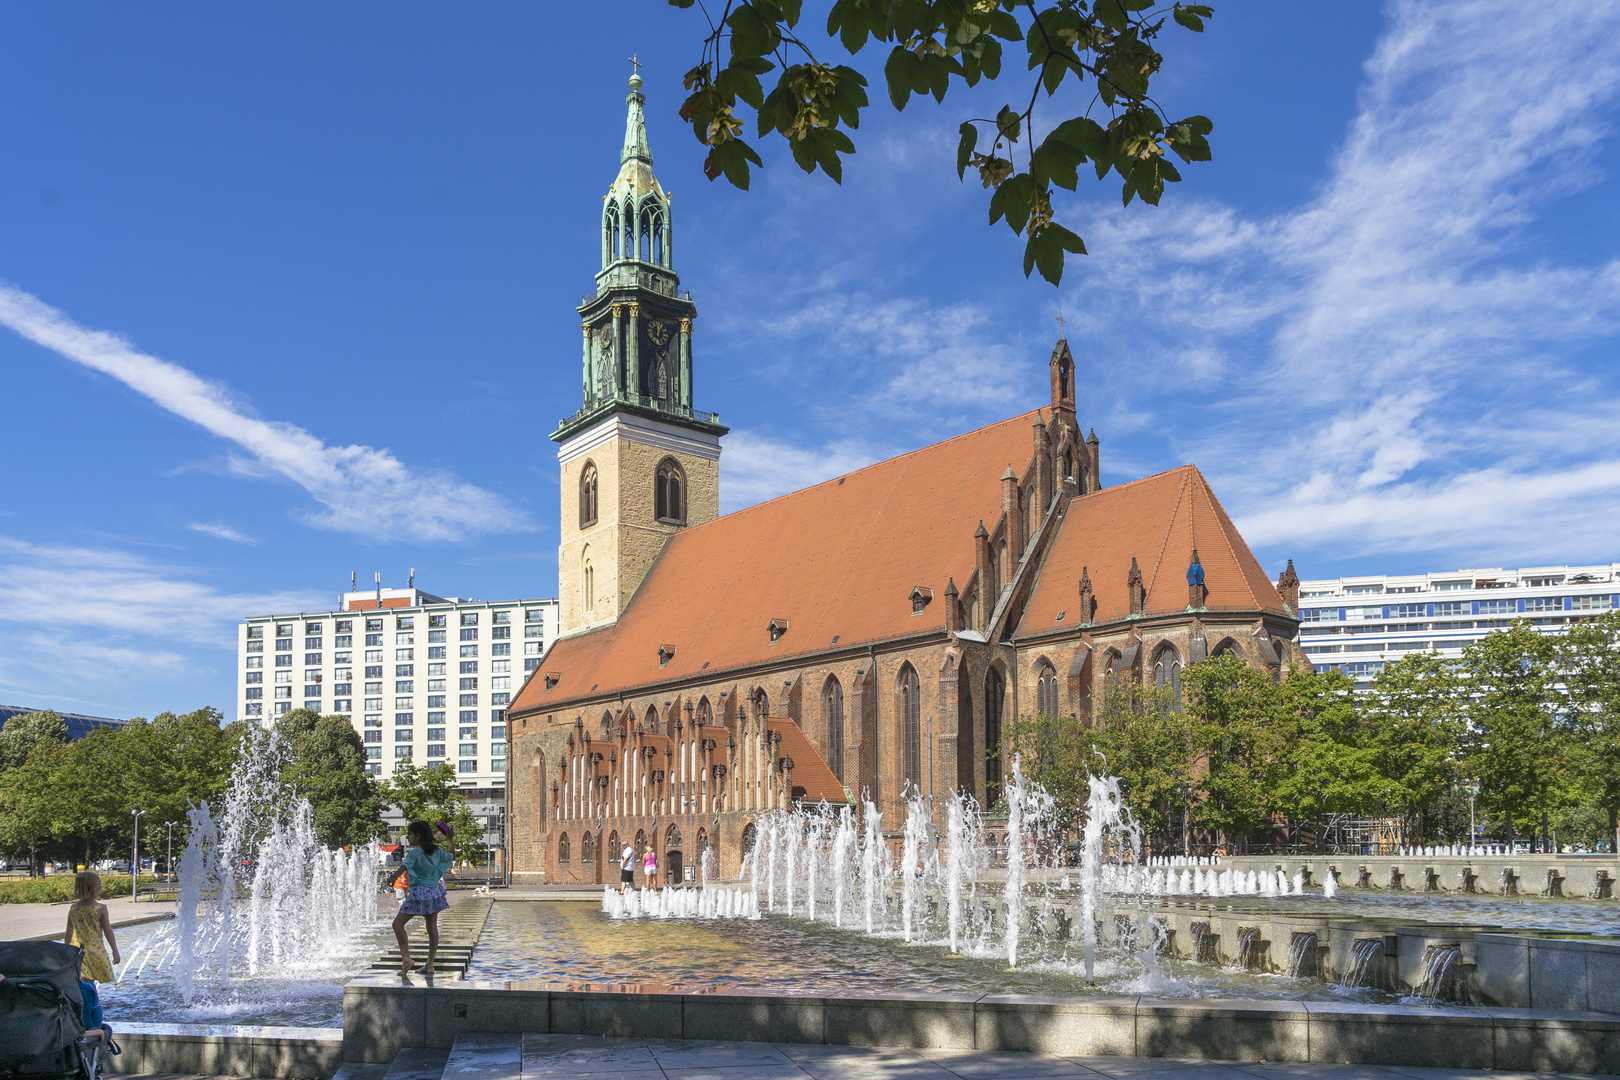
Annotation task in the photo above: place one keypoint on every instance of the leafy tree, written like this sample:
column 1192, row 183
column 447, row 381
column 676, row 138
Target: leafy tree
column 1517, row 748
column 1415, row 726
column 22, row 733
column 1150, row 742
column 1103, row 53
column 430, row 794
column 1235, row 706
column 1330, row 765
column 328, row 768
column 27, row 797
column 1588, row 659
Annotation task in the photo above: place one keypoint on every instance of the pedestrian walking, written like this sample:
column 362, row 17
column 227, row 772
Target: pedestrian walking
column 627, row 868
column 87, row 923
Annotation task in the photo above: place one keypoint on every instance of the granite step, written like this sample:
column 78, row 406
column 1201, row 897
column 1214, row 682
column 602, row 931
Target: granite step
column 459, row 930
column 485, row 1056
column 416, row 1063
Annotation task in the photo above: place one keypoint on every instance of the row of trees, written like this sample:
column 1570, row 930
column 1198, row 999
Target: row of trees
column 1527, row 722
column 71, row 801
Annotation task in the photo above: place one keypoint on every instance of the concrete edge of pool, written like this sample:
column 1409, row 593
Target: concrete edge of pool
column 381, row 1016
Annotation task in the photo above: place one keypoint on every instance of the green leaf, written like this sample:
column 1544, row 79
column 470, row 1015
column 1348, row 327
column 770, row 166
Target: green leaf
column 751, row 37
column 740, row 84
column 804, row 154
column 1084, row 134
column 1009, row 124
column 1012, row 200
column 937, row 71
column 901, row 73
column 1057, row 161
column 682, row 3
column 829, row 144
column 731, row 160
column 856, row 20
column 1111, row 13
column 1189, row 20
column 964, row 148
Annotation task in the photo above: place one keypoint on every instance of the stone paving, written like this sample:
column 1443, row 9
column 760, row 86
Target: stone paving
column 558, row 1057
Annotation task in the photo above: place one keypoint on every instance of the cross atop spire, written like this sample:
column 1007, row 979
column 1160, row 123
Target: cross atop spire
column 1060, row 320
column 635, row 66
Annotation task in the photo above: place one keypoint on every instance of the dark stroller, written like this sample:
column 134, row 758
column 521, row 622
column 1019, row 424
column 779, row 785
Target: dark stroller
column 42, row 1035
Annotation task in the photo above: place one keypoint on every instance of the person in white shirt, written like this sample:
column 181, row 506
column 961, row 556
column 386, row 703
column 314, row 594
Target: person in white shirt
column 627, row 869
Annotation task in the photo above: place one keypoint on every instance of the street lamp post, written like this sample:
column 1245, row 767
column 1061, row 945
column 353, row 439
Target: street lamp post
column 1473, row 790
column 168, row 858
column 135, row 858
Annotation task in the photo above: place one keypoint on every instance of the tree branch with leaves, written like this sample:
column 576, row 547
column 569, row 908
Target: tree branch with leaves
column 1103, row 48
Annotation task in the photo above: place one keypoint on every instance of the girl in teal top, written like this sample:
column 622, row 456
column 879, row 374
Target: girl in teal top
column 425, row 865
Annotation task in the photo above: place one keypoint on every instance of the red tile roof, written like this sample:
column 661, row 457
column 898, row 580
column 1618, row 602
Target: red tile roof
column 1157, row 520
column 839, row 559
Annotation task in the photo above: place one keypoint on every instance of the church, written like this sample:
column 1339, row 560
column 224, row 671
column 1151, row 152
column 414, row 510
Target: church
column 856, row 639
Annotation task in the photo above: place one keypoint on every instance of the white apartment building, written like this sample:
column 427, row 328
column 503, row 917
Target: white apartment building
column 1358, row 624
column 425, row 679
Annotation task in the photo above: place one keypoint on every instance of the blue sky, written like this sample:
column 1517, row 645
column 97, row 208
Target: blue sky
column 290, row 293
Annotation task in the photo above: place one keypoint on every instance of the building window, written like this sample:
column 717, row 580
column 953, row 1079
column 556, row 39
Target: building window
column 373, row 719
column 374, row 639
column 469, row 749
column 500, row 699
column 530, row 665
column 469, row 684
column 563, row 852
column 343, row 705
column 343, row 626
column 1167, row 677
column 255, row 646
column 534, row 615
column 436, row 718
column 497, row 749
column 995, row 692
column 469, row 618
column 435, row 750
column 468, row 765
column 402, row 753
column 401, row 670
column 312, row 643
column 254, row 678
column 832, row 714
column 1046, row 696
column 501, row 648
column 404, row 686
column 343, row 641
column 284, row 629
column 403, row 718
column 258, row 661
column 469, row 667
column 469, row 699
column 284, row 644
column 374, row 671
column 911, row 724
column 501, row 682
column 438, row 620
column 255, row 632
column 587, row 579
column 373, row 753
column 374, row 624
column 438, row 652
column 312, row 658
column 470, row 716
column 669, row 492
column 312, row 690
column 401, row 734
column 500, row 633
column 284, row 692
column 587, row 495
column 255, row 693
column 435, row 635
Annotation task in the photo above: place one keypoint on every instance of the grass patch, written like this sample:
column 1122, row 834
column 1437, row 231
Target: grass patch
column 58, row 889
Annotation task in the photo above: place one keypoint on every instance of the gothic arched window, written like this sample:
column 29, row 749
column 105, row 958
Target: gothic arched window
column 995, row 694
column 587, row 579
column 762, row 704
column 650, row 723
column 1046, row 692
column 669, row 492
column 587, row 849
column 587, row 495
column 832, row 715
column 704, row 715
column 610, row 228
column 564, row 853
column 911, row 725
column 1167, row 677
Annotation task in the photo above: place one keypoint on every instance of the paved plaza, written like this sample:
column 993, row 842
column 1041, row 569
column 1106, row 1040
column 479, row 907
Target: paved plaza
column 561, row 1057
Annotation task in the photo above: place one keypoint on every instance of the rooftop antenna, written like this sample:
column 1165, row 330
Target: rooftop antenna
column 352, row 585
column 410, row 582
column 377, row 576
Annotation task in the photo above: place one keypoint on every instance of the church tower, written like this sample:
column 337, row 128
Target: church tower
column 638, row 462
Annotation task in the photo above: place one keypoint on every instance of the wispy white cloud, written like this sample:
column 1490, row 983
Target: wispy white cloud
column 361, row 490
column 1396, row 363
column 221, row 532
column 756, row 467
column 57, row 589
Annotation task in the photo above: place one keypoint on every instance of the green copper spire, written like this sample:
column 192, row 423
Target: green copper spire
column 635, row 125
